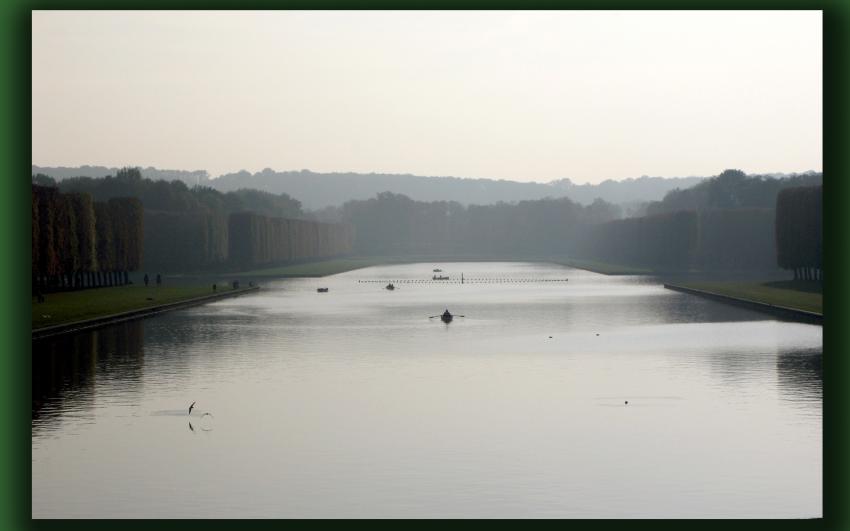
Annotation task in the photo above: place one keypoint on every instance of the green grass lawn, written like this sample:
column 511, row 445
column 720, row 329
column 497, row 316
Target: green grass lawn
column 67, row 307
column 788, row 294
column 604, row 268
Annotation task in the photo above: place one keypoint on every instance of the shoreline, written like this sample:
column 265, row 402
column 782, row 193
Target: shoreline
column 105, row 320
column 785, row 312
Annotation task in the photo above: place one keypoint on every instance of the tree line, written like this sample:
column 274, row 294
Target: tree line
column 394, row 224
column 788, row 235
column 799, row 231
column 189, row 229
column 717, row 239
column 257, row 240
column 77, row 242
column 176, row 196
column 731, row 189
column 729, row 222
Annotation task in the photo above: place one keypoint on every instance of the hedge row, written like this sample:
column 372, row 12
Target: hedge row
column 718, row 239
column 799, row 231
column 256, row 240
column 78, row 243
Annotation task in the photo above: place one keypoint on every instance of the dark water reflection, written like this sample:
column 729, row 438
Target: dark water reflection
column 801, row 375
column 65, row 370
column 354, row 403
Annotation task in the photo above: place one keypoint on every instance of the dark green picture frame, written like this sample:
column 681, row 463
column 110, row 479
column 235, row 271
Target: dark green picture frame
column 15, row 108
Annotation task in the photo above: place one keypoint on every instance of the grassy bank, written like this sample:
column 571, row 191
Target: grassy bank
column 604, row 268
column 68, row 307
column 798, row 295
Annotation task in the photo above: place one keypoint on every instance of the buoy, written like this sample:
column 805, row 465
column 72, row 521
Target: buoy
column 627, row 402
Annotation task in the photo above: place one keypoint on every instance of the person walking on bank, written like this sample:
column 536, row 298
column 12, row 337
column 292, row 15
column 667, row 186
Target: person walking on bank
column 158, row 279
column 147, row 280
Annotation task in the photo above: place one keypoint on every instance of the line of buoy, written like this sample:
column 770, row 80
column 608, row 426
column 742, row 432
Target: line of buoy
column 465, row 281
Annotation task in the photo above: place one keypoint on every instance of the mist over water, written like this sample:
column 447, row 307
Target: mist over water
column 353, row 403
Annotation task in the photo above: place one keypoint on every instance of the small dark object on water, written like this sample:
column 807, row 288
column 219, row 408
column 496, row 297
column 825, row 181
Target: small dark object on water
column 550, row 337
column 597, row 334
column 390, row 286
column 627, row 402
column 322, row 290
column 150, row 298
column 446, row 316
column 190, row 408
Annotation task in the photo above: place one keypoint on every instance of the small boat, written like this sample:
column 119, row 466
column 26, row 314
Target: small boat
column 440, row 277
column 390, row 286
column 322, row 290
column 438, row 271
column 446, row 317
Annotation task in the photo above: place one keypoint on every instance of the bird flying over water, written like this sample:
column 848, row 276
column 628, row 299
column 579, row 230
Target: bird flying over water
column 190, row 408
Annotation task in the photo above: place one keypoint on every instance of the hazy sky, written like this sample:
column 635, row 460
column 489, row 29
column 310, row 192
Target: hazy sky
column 528, row 96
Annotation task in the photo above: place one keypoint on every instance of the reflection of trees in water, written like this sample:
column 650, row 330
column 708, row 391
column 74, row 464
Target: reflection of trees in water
column 66, row 368
column 800, row 374
column 740, row 369
column 665, row 308
column 180, row 343
column 686, row 308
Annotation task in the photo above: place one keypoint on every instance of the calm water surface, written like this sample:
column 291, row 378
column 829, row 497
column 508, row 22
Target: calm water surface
column 353, row 403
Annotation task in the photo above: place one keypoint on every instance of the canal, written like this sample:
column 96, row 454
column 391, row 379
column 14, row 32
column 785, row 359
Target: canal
column 353, row 403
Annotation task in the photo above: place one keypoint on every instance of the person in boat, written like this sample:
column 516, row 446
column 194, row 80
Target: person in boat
column 446, row 314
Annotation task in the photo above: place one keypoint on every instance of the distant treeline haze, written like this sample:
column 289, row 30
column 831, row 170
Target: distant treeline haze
column 189, row 229
column 724, row 223
column 728, row 222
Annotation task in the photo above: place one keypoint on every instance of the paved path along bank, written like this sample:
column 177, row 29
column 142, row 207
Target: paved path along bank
column 782, row 312
column 96, row 322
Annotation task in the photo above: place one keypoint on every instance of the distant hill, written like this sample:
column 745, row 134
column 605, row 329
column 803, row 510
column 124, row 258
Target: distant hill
column 191, row 178
column 319, row 190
